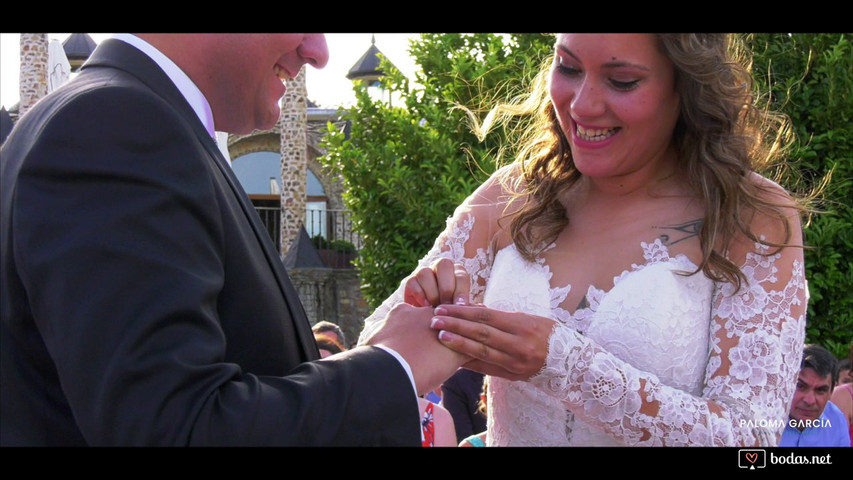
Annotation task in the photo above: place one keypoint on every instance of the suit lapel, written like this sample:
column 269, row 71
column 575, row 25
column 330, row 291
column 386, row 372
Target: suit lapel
column 117, row 54
column 296, row 311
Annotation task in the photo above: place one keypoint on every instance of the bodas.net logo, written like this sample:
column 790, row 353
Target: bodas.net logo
column 751, row 458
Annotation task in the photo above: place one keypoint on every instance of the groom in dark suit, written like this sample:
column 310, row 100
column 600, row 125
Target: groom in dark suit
column 142, row 301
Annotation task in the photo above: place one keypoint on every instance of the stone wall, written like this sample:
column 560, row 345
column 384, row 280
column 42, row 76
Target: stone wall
column 294, row 158
column 33, row 74
column 332, row 295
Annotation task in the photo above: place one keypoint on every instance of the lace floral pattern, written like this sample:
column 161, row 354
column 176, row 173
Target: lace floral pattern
column 662, row 358
column 755, row 347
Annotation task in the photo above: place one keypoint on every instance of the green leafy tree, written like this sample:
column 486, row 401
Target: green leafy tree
column 406, row 167
column 810, row 78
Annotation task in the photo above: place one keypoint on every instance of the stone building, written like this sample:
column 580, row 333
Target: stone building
column 299, row 203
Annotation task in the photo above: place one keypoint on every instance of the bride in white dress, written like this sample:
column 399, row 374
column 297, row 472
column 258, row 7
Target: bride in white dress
column 644, row 286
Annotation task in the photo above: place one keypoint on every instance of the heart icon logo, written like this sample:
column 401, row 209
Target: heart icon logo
column 752, row 457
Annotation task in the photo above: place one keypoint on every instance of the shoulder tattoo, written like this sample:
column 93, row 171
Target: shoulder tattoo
column 677, row 233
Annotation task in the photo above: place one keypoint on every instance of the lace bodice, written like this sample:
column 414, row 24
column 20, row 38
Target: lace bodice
column 662, row 358
column 653, row 318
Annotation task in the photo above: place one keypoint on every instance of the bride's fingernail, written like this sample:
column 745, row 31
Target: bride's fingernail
column 440, row 311
column 461, row 301
column 444, row 336
column 436, row 321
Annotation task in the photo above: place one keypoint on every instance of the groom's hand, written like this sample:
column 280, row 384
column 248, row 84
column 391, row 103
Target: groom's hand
column 407, row 331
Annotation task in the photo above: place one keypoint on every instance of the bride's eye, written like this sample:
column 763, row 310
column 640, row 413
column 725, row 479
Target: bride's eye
column 565, row 69
column 624, row 85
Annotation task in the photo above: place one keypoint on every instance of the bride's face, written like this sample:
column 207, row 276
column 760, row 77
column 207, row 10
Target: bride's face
column 615, row 99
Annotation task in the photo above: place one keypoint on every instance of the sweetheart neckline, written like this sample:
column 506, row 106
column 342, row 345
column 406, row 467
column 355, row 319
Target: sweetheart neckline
column 655, row 253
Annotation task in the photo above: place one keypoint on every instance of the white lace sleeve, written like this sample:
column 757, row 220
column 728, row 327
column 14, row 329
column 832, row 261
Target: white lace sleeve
column 756, row 341
column 467, row 240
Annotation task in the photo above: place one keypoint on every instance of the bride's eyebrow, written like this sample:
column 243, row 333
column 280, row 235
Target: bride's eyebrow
column 612, row 64
column 568, row 52
column 623, row 64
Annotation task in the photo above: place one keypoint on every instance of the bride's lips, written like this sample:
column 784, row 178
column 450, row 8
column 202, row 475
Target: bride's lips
column 589, row 136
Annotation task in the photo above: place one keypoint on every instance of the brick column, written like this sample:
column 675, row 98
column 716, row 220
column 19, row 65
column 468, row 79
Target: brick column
column 33, row 76
column 294, row 159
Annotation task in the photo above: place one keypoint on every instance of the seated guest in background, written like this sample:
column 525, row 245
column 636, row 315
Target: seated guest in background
column 845, row 375
column 331, row 330
column 479, row 439
column 460, row 395
column 436, row 424
column 328, row 345
column 842, row 396
column 814, row 420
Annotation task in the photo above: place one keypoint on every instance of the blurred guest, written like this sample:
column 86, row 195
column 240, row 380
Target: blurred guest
column 461, row 397
column 479, row 439
column 328, row 345
column 437, row 425
column 844, row 375
column 814, row 420
column 842, row 396
column 331, row 330
column 434, row 396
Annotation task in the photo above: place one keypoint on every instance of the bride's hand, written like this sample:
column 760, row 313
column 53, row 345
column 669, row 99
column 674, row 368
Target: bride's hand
column 511, row 345
column 443, row 283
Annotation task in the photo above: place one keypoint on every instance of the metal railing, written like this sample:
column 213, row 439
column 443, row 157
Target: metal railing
column 334, row 226
column 330, row 230
column 271, row 218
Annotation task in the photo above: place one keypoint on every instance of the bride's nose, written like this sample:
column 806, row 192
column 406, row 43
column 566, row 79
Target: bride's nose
column 588, row 100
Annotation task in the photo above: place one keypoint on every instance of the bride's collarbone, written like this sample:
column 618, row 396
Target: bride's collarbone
column 678, row 235
column 594, row 257
column 599, row 230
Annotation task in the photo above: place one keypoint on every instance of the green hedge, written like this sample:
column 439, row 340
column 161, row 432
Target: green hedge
column 810, row 78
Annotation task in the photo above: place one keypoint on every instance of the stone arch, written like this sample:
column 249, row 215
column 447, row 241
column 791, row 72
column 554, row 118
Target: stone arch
column 269, row 141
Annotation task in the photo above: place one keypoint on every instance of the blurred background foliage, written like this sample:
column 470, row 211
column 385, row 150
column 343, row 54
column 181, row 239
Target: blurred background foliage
column 809, row 77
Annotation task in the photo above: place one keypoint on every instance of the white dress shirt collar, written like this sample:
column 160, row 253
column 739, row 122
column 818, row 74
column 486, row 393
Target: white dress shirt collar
column 186, row 86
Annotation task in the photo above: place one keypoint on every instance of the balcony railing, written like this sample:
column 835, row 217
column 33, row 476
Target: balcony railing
column 271, row 218
column 335, row 226
column 330, row 230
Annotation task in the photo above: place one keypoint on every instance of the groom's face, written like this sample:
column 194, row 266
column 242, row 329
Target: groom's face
column 248, row 72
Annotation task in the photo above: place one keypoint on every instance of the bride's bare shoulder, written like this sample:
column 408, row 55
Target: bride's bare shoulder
column 484, row 213
column 777, row 222
column 502, row 188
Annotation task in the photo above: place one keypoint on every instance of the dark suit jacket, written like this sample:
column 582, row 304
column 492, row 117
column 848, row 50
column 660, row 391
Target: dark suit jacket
column 142, row 301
